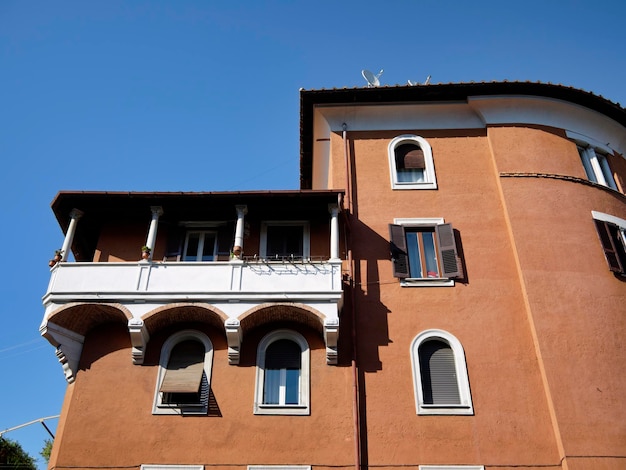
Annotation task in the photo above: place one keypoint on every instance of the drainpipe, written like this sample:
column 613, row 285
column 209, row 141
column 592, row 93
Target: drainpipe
column 344, row 126
column 355, row 375
column 75, row 214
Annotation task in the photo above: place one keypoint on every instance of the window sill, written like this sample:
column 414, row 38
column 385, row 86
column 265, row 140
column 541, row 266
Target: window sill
column 427, row 185
column 426, row 282
column 445, row 410
column 262, row 409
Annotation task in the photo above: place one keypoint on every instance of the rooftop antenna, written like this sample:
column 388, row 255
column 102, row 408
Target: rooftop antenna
column 372, row 80
column 426, row 82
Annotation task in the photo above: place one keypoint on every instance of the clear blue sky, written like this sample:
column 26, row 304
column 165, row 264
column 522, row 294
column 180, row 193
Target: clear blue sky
column 203, row 96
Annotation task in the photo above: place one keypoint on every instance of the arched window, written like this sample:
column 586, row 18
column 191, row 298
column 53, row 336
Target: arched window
column 411, row 163
column 184, row 376
column 440, row 374
column 282, row 380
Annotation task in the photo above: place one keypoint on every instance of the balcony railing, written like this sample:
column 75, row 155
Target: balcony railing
column 285, row 279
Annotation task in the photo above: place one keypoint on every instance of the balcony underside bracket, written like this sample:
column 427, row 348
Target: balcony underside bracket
column 139, row 337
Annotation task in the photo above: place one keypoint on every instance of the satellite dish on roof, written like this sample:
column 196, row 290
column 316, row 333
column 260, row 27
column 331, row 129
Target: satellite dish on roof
column 426, row 82
column 372, row 80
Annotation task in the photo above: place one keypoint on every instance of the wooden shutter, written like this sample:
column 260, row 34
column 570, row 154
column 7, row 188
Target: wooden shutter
column 447, row 251
column 438, row 373
column 184, row 368
column 609, row 245
column 283, row 354
column 399, row 255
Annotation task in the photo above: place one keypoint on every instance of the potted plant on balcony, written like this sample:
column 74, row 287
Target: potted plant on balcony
column 58, row 256
column 145, row 252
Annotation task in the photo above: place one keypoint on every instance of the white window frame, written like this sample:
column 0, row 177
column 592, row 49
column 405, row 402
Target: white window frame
column 160, row 408
column 200, row 245
column 424, row 281
column 593, row 156
column 172, row 467
column 430, row 179
column 303, row 407
column 279, row 467
column 451, row 467
column 465, row 406
column 306, row 235
column 621, row 226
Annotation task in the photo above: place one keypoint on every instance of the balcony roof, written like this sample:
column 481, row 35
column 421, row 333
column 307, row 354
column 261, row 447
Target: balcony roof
column 102, row 207
column 216, row 204
column 445, row 92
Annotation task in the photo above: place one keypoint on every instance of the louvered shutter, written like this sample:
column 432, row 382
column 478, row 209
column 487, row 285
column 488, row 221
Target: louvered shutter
column 399, row 254
column 184, row 368
column 450, row 262
column 225, row 239
column 283, row 354
column 609, row 246
column 438, row 373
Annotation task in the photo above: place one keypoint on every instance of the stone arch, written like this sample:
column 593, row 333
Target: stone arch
column 65, row 328
column 283, row 311
column 162, row 317
column 271, row 312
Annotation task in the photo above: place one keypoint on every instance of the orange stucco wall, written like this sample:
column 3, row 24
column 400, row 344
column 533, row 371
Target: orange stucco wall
column 539, row 315
column 542, row 362
column 115, row 398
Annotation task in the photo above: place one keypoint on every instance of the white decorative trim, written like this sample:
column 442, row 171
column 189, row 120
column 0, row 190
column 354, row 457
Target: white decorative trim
column 172, row 467
column 430, row 179
column 465, row 407
column 159, row 408
column 233, row 337
column 69, row 347
column 331, row 335
column 303, row 407
column 279, row 467
column 609, row 218
column 139, row 337
column 419, row 222
column 451, row 467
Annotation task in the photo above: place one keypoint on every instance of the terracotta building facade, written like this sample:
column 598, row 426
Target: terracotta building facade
column 446, row 290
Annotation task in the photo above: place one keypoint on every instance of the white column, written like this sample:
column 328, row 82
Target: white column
column 157, row 212
column 334, row 231
column 75, row 214
column 238, row 246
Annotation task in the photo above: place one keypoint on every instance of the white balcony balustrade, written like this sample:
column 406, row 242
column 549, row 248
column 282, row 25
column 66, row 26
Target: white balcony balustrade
column 254, row 280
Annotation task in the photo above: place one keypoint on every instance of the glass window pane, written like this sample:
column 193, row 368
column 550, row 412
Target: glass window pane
column 415, row 262
column 292, row 393
column 271, row 387
column 432, row 270
column 284, row 240
column 208, row 249
column 191, row 252
column 413, row 175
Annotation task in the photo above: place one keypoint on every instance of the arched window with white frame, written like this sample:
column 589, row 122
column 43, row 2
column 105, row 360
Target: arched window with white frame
column 440, row 375
column 411, row 163
column 184, row 376
column 282, row 378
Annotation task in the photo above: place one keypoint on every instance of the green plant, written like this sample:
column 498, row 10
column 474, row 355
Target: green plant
column 146, row 249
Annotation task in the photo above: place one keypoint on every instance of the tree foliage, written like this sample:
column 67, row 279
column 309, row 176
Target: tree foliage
column 47, row 450
column 13, row 457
